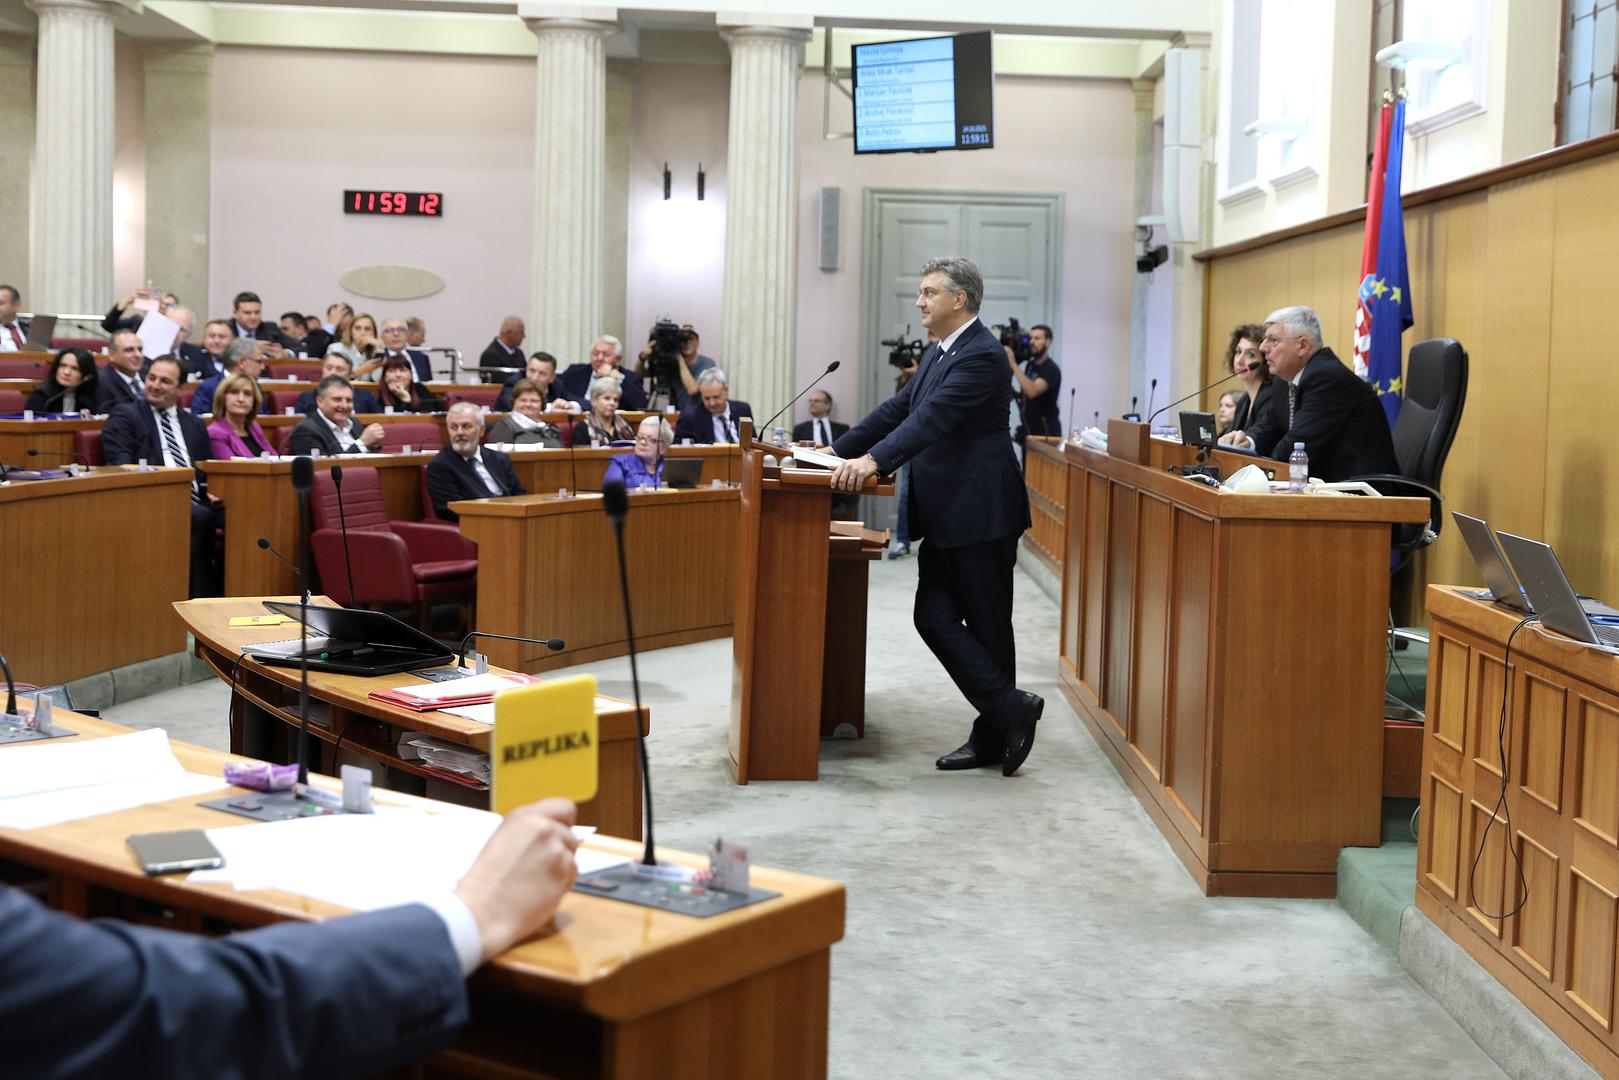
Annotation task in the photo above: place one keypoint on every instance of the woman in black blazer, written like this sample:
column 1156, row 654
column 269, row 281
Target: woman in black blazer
column 69, row 385
column 1241, row 355
column 398, row 387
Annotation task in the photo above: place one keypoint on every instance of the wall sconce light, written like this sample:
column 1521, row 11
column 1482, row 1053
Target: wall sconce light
column 666, row 181
column 701, row 177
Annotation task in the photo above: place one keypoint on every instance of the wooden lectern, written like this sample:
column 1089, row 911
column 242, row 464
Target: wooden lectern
column 799, row 645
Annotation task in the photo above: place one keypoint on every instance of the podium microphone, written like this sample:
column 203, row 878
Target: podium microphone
column 616, row 502
column 343, row 521
column 1132, row 414
column 303, row 478
column 265, row 545
column 1196, row 393
column 78, row 459
column 762, row 428
column 1152, row 393
column 1072, row 390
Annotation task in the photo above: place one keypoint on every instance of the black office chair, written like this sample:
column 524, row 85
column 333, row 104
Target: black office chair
column 1435, row 391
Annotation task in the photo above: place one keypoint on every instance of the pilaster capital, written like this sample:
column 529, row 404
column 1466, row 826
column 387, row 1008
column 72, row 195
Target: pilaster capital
column 1191, row 39
column 745, row 26
column 108, row 8
column 573, row 18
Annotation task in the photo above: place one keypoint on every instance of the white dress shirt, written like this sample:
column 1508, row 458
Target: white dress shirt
column 344, row 439
column 173, row 419
column 821, row 430
column 8, row 343
column 724, row 428
column 484, row 474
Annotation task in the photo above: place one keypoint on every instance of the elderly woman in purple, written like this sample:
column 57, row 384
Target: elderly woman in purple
column 643, row 468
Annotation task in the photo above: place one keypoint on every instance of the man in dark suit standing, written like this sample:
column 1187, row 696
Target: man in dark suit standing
column 713, row 417
column 331, row 428
column 159, row 432
column 351, row 996
column 606, row 358
column 820, row 428
column 394, row 332
column 119, row 382
column 465, row 469
column 967, row 500
column 1322, row 404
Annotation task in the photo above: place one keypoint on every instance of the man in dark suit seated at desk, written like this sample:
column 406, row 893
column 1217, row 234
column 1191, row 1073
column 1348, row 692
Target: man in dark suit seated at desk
column 394, row 333
column 967, row 498
column 466, row 469
column 119, row 381
column 331, row 428
column 161, row 433
column 713, row 417
column 1323, row 405
column 241, row 355
column 350, row 996
column 337, row 364
column 506, row 351
column 606, row 358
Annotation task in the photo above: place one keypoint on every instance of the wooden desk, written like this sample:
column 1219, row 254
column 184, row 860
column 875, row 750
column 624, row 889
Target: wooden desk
column 548, row 567
column 65, row 616
column 1559, row 952
column 264, row 720
column 1045, row 471
column 610, row 991
column 52, row 438
column 1227, row 652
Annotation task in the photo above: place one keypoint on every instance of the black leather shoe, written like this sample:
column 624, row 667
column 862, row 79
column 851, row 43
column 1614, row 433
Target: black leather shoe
column 1020, row 724
column 968, row 756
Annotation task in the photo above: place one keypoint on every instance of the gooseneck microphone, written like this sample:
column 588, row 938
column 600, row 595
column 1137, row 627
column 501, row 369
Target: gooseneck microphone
column 11, row 687
column 343, row 522
column 555, row 644
column 762, row 428
column 303, row 478
column 80, row 459
column 616, row 502
column 1072, row 390
column 1132, row 414
column 1203, row 390
column 265, row 545
column 1152, row 393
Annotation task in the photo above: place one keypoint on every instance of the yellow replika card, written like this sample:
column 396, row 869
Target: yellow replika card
column 544, row 743
column 259, row 620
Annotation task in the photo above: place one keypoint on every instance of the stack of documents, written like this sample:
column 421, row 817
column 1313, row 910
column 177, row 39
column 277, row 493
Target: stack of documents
column 474, row 690
column 67, row 779
column 444, row 756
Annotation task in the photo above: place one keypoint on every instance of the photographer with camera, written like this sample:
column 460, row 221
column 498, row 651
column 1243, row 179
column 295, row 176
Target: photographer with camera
column 1038, row 378
column 671, row 362
column 606, row 356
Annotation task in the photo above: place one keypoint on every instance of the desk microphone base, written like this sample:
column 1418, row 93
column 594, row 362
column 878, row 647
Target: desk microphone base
column 13, row 735
column 271, row 806
column 682, row 897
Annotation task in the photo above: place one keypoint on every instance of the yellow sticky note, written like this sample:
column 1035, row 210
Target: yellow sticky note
column 544, row 743
column 259, row 620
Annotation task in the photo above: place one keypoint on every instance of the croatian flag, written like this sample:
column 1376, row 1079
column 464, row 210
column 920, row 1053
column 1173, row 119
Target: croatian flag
column 1368, row 248
column 1386, row 293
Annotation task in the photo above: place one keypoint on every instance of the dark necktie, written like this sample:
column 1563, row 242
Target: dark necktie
column 176, row 448
column 1292, row 403
column 16, row 335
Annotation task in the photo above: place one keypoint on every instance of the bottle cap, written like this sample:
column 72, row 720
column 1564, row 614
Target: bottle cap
column 1298, row 446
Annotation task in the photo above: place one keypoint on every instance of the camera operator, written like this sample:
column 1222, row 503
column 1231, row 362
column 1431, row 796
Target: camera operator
column 1038, row 381
column 671, row 362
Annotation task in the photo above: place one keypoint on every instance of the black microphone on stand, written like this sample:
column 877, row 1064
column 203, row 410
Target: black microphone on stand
column 762, row 428
column 616, row 502
column 1152, row 394
column 303, row 478
column 555, row 644
column 343, row 521
column 264, row 545
column 1132, row 414
column 78, row 459
column 11, row 687
column 1195, row 393
column 1072, row 390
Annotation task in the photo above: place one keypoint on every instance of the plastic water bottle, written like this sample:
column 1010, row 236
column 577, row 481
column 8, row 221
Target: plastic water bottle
column 781, row 436
column 1298, row 470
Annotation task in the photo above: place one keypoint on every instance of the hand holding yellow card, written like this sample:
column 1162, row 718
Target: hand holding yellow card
column 544, row 743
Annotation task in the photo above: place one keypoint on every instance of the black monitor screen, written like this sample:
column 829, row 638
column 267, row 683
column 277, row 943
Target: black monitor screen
column 924, row 94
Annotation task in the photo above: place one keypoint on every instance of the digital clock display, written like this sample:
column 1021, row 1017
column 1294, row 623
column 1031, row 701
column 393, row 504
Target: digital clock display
column 400, row 203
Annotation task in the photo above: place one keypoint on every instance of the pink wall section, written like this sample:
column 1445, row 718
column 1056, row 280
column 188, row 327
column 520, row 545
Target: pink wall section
column 293, row 129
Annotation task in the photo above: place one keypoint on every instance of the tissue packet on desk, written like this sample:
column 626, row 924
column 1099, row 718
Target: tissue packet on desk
column 261, row 775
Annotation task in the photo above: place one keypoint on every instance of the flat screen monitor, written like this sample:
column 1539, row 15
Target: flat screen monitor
column 924, row 94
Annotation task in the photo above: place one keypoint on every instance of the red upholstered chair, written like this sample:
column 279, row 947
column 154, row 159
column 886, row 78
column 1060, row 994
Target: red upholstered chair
column 477, row 393
column 395, row 437
column 396, row 563
column 11, row 401
column 187, row 389
column 277, row 402
column 88, row 443
column 22, row 369
column 428, row 513
column 282, row 437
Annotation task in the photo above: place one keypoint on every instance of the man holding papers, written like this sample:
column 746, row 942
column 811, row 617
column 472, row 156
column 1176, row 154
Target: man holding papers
column 967, row 498
column 345, row 997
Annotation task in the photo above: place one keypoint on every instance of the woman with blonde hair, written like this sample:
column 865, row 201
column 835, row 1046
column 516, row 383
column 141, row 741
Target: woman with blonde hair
column 236, row 433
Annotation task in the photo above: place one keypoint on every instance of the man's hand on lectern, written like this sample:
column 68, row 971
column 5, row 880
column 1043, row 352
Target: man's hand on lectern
column 853, row 474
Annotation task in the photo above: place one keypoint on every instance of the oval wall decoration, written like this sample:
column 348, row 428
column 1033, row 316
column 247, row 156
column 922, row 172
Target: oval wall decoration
column 390, row 282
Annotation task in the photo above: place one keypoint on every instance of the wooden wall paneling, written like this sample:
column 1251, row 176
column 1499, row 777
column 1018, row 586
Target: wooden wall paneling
column 1596, row 781
column 1120, row 599
column 1539, row 769
column 1074, row 522
column 1593, row 913
column 1583, row 381
column 1482, row 886
column 1534, row 927
column 1094, row 642
column 1487, row 682
column 1150, row 634
column 1193, row 687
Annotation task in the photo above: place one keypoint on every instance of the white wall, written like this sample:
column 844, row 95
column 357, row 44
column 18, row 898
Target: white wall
column 293, row 129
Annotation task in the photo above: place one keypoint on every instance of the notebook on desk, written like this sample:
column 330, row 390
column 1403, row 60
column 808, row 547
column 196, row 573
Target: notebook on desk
column 1551, row 594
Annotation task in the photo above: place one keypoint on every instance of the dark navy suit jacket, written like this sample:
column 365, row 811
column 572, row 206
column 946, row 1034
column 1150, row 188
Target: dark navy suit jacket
column 346, row 997
column 130, row 434
column 1338, row 419
column 949, row 423
column 574, row 384
column 451, row 476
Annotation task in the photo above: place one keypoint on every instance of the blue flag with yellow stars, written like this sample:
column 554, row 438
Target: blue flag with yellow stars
column 1387, row 292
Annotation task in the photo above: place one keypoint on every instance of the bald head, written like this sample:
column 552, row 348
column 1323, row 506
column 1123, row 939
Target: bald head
column 512, row 331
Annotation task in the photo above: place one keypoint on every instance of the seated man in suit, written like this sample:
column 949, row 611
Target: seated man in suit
column 394, row 333
column 712, row 417
column 241, row 355
column 643, row 468
column 351, row 996
column 210, row 359
column 506, row 351
column 339, row 365
column 820, row 428
column 466, row 469
column 159, row 432
column 331, row 428
column 301, row 339
column 606, row 358
column 1323, row 405
column 190, row 356
column 247, row 315
column 541, row 370
column 13, row 331
column 119, row 382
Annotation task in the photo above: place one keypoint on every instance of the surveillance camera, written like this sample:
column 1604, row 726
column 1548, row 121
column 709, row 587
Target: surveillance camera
column 1155, row 257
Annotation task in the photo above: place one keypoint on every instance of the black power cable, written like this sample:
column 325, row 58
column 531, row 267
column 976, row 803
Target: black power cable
column 1502, row 808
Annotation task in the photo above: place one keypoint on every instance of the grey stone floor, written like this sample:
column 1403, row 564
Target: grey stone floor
column 1029, row 927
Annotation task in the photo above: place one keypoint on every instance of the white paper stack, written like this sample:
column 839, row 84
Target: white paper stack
column 441, row 754
column 44, row 783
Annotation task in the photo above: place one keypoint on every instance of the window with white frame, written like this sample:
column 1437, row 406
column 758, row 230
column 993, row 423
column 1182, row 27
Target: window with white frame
column 1444, row 50
column 1239, row 92
column 1287, row 84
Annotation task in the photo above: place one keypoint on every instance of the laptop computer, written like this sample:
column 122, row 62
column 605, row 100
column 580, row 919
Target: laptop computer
column 41, row 328
column 1503, row 587
column 352, row 641
column 1553, row 597
column 682, row 472
column 1198, row 429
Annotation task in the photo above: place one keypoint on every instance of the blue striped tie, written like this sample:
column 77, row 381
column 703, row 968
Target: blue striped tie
column 177, row 453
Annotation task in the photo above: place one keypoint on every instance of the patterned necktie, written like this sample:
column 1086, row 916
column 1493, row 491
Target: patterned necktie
column 176, row 449
column 1292, row 403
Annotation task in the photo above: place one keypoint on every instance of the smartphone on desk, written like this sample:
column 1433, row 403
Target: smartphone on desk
column 174, row 852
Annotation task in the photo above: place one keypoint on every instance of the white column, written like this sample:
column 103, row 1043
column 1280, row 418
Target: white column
column 73, row 147
column 761, row 202
column 570, row 120
column 179, row 123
